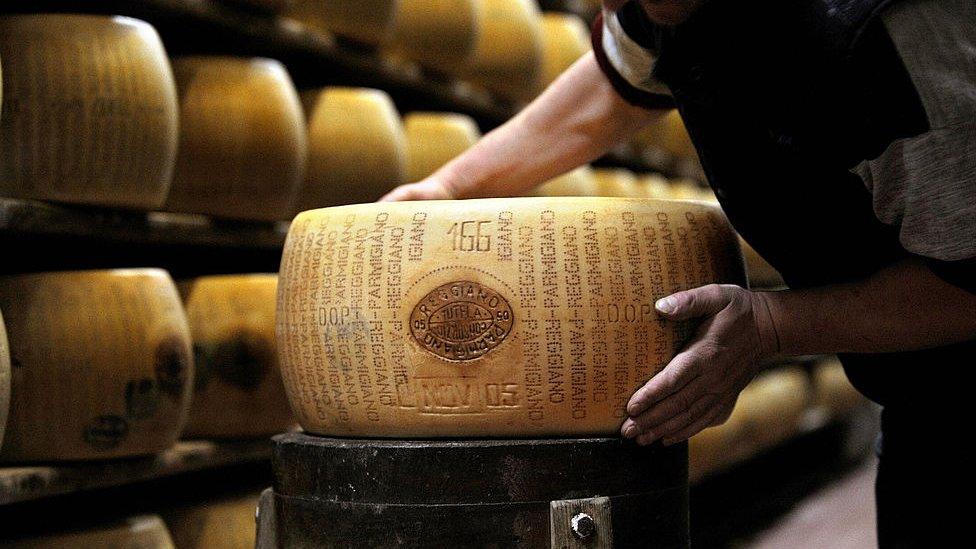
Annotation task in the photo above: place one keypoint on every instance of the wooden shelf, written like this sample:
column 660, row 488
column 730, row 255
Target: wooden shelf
column 27, row 483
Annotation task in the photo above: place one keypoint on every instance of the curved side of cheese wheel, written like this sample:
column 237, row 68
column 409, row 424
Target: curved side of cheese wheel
column 242, row 139
column 579, row 182
column 654, row 186
column 433, row 139
column 616, row 182
column 228, row 523
column 491, row 317
column 439, row 34
column 4, row 379
column 356, row 147
column 565, row 38
column 833, row 392
column 368, row 21
column 140, row 532
column 102, row 364
column 774, row 405
column 508, row 56
column 90, row 111
column 237, row 390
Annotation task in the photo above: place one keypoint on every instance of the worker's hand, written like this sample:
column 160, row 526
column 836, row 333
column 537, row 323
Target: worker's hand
column 432, row 188
column 698, row 388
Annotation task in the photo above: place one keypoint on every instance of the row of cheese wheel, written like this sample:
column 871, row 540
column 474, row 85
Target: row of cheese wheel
column 105, row 364
column 771, row 410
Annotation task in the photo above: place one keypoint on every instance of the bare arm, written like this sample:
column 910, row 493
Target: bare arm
column 577, row 119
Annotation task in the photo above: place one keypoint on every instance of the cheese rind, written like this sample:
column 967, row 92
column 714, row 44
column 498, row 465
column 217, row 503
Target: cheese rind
column 507, row 58
column 357, row 149
column 565, row 38
column 578, row 182
column 89, row 111
column 226, row 523
column 439, row 34
column 433, row 139
column 140, row 532
column 102, row 366
column 243, row 143
column 500, row 317
column 833, row 392
column 4, row 378
column 368, row 21
column 238, row 391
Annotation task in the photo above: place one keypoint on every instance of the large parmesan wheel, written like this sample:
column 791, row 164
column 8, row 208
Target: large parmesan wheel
column 4, row 379
column 492, row 317
column 242, row 139
column 616, row 182
column 367, row 21
column 89, row 111
column 565, row 38
column 774, row 405
column 224, row 524
column 833, row 393
column 578, row 182
column 101, row 364
column 433, row 139
column 141, row 532
column 356, row 147
column 238, row 391
column 439, row 34
column 508, row 55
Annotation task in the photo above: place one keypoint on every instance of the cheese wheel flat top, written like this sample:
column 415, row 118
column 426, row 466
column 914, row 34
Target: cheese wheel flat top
column 357, row 150
column 140, row 532
column 433, row 139
column 101, row 360
column 491, row 317
column 243, row 143
column 508, row 55
column 565, row 38
column 579, row 182
column 367, row 21
column 89, row 111
column 440, row 34
column 4, row 379
column 237, row 390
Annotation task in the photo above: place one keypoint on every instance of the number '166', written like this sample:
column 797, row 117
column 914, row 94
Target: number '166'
column 471, row 236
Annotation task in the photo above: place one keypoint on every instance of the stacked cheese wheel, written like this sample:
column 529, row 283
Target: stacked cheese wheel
column 433, row 139
column 439, row 34
column 367, row 21
column 4, row 379
column 615, row 182
column 565, row 38
column 718, row 447
column 774, row 405
column 238, row 391
column 665, row 140
column 269, row 6
column 493, row 317
column 833, row 393
column 356, row 147
column 90, row 111
column 140, row 532
column 507, row 57
column 579, row 182
column 242, row 139
column 226, row 523
column 102, row 364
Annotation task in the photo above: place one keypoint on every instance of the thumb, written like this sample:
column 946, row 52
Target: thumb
column 698, row 302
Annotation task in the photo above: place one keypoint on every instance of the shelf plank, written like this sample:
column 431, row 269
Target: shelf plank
column 26, row 483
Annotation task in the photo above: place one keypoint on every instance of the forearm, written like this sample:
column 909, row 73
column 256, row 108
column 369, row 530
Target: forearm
column 902, row 307
column 577, row 119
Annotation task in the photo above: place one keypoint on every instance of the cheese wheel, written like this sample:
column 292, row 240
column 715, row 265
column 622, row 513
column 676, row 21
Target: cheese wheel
column 270, row 6
column 507, row 58
column 433, row 139
column 687, row 189
column 833, row 393
column 579, row 182
column 367, row 21
column 140, row 532
column 101, row 364
column 356, row 147
column 666, row 136
column 242, row 139
column 761, row 274
column 490, row 317
column 237, row 391
column 438, row 34
column 774, row 405
column 654, row 186
column 89, row 111
column 565, row 38
column 616, row 182
column 223, row 524
column 716, row 448
column 4, row 379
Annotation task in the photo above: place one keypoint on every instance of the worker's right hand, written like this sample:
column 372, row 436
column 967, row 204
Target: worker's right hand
column 432, row 188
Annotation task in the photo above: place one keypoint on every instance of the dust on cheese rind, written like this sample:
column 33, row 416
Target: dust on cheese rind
column 89, row 111
column 237, row 389
column 101, row 360
column 507, row 317
column 433, row 139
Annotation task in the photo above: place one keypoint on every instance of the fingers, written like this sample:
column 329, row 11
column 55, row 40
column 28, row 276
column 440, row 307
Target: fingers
column 401, row 193
column 674, row 412
column 710, row 418
column 704, row 301
column 678, row 373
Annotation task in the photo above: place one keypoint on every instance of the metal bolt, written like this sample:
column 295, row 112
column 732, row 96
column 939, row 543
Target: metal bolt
column 583, row 525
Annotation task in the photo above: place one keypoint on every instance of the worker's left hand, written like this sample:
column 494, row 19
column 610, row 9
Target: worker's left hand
column 699, row 386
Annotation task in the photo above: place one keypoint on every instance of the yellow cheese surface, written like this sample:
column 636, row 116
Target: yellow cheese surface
column 565, row 38
column 243, row 145
column 140, row 532
column 433, row 139
column 89, row 111
column 439, row 34
column 500, row 317
column 774, row 405
column 356, row 147
column 237, row 390
column 578, row 182
column 508, row 55
column 616, row 182
column 223, row 524
column 833, row 392
column 102, row 366
column 366, row 21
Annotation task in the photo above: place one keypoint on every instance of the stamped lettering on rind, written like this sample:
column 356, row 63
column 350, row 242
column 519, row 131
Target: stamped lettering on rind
column 461, row 320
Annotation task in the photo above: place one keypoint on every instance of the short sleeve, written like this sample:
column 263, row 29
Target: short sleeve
column 627, row 60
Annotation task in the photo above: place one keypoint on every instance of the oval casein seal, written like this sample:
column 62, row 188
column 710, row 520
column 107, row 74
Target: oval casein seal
column 461, row 320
